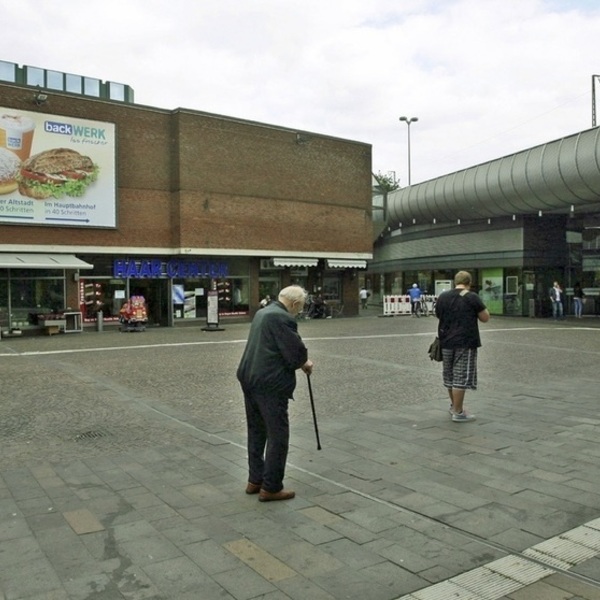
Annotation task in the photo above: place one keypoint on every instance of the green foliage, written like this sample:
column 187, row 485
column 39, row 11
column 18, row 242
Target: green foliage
column 386, row 183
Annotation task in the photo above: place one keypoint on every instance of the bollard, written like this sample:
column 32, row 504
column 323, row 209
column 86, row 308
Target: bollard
column 99, row 321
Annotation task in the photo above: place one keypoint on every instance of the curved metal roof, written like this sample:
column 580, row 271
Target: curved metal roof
column 552, row 177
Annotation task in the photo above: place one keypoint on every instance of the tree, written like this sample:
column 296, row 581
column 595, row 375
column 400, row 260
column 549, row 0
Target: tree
column 386, row 183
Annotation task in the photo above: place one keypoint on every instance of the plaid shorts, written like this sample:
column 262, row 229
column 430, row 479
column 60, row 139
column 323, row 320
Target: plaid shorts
column 460, row 368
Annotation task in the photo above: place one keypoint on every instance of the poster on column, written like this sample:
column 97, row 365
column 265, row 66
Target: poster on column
column 56, row 170
column 492, row 290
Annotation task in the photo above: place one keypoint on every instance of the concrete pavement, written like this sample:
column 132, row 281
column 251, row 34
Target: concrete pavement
column 123, row 468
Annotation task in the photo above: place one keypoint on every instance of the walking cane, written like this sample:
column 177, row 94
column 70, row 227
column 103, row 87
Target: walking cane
column 312, row 404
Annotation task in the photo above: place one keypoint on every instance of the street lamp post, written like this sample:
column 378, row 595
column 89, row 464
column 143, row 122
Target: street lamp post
column 408, row 122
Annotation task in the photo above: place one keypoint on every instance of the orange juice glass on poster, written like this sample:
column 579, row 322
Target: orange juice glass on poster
column 16, row 134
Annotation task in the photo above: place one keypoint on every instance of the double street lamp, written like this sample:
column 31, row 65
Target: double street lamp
column 408, row 122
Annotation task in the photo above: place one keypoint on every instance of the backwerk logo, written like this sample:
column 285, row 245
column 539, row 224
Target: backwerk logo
column 74, row 130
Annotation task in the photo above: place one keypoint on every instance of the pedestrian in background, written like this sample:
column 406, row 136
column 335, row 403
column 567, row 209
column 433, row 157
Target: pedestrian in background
column 459, row 312
column 578, row 300
column 267, row 374
column 363, row 296
column 265, row 301
column 415, row 294
column 556, row 297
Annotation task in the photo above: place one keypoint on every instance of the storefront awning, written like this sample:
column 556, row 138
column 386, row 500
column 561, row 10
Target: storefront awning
column 295, row 262
column 347, row 263
column 42, row 261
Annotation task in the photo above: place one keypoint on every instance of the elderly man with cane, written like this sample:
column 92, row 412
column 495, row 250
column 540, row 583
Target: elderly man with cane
column 267, row 375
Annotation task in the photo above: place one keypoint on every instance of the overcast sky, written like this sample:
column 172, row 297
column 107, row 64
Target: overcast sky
column 485, row 78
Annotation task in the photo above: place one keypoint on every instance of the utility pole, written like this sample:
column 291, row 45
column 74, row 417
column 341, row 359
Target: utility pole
column 408, row 122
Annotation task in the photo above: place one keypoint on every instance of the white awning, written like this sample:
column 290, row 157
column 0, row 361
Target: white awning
column 295, row 262
column 347, row 263
column 42, row 261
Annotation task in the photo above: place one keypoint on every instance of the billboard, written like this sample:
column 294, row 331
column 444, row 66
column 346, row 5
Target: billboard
column 56, row 170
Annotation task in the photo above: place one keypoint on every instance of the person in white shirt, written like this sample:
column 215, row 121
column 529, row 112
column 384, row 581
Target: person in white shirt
column 364, row 297
column 556, row 297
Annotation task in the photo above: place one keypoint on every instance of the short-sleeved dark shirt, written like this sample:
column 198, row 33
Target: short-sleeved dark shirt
column 458, row 325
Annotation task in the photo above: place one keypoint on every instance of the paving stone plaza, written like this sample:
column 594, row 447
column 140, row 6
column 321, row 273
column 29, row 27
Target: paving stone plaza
column 123, row 468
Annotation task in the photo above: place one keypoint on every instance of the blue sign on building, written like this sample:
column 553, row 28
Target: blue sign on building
column 154, row 268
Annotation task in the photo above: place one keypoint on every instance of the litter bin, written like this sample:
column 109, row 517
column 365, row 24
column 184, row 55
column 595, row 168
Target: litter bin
column 99, row 321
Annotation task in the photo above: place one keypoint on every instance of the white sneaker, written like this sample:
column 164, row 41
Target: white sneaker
column 462, row 417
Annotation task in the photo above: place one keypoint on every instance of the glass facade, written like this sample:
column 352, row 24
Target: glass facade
column 55, row 80
column 25, row 293
column 8, row 71
column 91, row 87
column 34, row 76
column 73, row 83
column 101, row 294
column 170, row 299
column 116, row 91
column 67, row 82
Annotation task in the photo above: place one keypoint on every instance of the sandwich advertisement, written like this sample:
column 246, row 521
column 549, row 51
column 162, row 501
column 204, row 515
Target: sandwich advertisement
column 56, row 170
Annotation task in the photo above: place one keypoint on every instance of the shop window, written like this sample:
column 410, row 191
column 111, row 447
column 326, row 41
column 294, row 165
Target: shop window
column 106, row 295
column 233, row 296
column 189, row 298
column 3, row 302
column 298, row 280
column 512, row 285
column 269, row 286
column 331, row 288
column 32, row 273
column 514, row 298
column 29, row 297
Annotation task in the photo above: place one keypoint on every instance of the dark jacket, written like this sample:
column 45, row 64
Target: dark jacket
column 556, row 295
column 273, row 353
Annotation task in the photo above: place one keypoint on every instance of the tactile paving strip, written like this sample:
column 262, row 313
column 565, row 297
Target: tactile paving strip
column 519, row 569
column 511, row 573
column 493, row 581
column 570, row 548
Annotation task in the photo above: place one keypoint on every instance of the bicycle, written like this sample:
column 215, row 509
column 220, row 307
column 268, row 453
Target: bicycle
column 305, row 313
column 420, row 308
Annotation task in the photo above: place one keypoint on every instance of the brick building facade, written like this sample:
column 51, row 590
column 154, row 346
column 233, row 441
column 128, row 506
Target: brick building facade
column 272, row 204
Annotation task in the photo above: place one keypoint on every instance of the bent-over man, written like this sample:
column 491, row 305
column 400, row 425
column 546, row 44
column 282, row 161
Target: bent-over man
column 267, row 374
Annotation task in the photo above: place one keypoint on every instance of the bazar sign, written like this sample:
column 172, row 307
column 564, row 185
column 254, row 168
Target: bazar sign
column 153, row 268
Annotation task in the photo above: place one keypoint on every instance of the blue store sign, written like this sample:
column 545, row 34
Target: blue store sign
column 154, row 268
